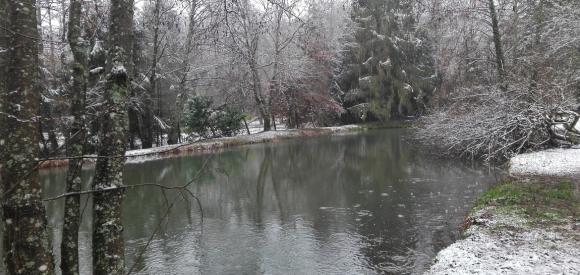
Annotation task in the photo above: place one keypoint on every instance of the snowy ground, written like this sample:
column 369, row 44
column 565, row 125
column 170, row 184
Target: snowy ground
column 504, row 243
column 554, row 162
column 218, row 143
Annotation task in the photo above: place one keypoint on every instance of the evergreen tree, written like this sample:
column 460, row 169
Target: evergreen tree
column 388, row 72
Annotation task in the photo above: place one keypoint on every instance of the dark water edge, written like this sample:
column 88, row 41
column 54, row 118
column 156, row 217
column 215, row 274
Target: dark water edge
column 357, row 204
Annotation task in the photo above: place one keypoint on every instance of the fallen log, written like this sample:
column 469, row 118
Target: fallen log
column 564, row 127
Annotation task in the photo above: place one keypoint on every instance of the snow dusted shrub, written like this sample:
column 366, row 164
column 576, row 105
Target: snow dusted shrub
column 494, row 124
column 227, row 122
column 197, row 115
column 206, row 121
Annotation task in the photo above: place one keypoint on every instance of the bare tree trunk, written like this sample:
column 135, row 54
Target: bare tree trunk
column 276, row 72
column 135, row 117
column 97, row 61
column 75, row 144
column 539, row 23
column 257, row 89
column 3, row 71
column 174, row 135
column 249, row 38
column 25, row 239
column 49, row 118
column 292, row 114
column 515, row 29
column 246, row 125
column 108, row 245
column 499, row 56
column 3, row 58
column 154, row 92
column 148, row 125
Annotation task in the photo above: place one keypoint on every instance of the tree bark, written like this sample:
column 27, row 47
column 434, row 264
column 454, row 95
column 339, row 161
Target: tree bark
column 3, row 57
column 108, row 245
column 499, row 56
column 3, row 71
column 25, row 237
column 75, row 144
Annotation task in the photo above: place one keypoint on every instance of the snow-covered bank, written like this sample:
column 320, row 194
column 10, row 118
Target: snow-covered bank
column 135, row 156
column 529, row 227
column 553, row 162
column 505, row 244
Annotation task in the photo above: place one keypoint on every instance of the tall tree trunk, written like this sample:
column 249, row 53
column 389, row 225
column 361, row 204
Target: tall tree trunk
column 276, row 87
column 3, row 59
column 292, row 114
column 3, row 71
column 97, row 62
column 75, row 145
column 246, row 125
column 108, row 245
column 539, row 20
column 25, row 238
column 257, row 89
column 174, row 135
column 49, row 117
column 149, row 109
column 499, row 56
column 135, row 117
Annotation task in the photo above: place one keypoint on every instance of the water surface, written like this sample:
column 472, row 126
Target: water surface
column 358, row 204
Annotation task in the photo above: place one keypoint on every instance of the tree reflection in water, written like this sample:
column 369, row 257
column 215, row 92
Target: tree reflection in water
column 346, row 204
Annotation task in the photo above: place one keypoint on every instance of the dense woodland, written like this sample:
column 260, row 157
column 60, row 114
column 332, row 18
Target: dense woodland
column 487, row 78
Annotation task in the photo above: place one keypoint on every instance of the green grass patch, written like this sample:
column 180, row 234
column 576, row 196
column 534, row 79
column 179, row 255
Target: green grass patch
column 540, row 201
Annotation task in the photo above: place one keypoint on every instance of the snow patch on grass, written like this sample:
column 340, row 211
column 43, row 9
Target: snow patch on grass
column 504, row 244
column 554, row 162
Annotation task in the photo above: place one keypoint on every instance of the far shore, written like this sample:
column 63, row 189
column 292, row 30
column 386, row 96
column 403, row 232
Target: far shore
column 216, row 144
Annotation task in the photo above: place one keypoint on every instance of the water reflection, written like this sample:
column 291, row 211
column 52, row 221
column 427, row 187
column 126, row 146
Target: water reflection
column 359, row 204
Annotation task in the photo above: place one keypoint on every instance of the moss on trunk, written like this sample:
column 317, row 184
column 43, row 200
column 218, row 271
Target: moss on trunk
column 25, row 237
column 72, row 214
column 108, row 246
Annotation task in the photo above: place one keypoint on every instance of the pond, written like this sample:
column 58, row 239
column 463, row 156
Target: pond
column 355, row 204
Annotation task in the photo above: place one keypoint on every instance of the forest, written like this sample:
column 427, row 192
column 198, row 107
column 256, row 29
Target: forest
column 83, row 82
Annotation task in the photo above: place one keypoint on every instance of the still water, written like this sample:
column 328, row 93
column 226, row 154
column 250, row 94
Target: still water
column 358, row 204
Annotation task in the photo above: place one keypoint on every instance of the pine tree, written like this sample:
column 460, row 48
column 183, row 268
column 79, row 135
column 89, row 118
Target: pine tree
column 388, row 72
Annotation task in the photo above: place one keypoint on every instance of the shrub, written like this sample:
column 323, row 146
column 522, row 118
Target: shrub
column 227, row 122
column 198, row 115
column 201, row 119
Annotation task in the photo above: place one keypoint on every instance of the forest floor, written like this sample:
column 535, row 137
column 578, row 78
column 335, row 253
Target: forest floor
column 526, row 225
column 216, row 144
